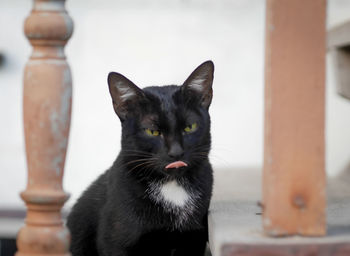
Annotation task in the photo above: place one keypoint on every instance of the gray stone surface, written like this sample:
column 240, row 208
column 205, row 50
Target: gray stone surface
column 338, row 39
column 235, row 215
column 9, row 227
column 339, row 36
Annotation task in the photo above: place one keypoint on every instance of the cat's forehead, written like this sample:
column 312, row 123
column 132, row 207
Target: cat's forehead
column 150, row 120
column 162, row 93
column 167, row 106
column 168, row 119
column 163, row 97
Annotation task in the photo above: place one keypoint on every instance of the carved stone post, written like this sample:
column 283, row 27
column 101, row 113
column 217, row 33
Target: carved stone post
column 47, row 96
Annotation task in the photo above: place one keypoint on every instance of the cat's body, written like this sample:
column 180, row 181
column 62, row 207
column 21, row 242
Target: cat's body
column 154, row 199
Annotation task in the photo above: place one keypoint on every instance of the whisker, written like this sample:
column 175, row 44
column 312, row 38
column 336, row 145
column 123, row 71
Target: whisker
column 142, row 164
column 200, row 147
column 128, row 163
column 200, row 155
column 140, row 160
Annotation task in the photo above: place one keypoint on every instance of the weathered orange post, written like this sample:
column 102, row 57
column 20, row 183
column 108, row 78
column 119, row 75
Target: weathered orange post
column 47, row 96
column 294, row 165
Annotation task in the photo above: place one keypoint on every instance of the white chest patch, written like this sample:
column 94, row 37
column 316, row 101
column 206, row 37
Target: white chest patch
column 174, row 193
column 174, row 199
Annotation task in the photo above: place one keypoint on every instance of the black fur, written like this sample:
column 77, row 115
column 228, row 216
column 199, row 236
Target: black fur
column 118, row 214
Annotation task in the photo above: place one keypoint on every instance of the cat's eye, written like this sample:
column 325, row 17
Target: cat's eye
column 191, row 128
column 152, row 132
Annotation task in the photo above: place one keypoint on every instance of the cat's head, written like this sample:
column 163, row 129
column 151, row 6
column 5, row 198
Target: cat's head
column 165, row 129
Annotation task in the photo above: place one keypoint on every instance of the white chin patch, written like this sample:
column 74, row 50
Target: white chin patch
column 126, row 92
column 173, row 193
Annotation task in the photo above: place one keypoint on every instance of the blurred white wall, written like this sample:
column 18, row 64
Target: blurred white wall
column 154, row 42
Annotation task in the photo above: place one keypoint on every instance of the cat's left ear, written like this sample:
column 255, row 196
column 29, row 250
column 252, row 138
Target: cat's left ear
column 200, row 83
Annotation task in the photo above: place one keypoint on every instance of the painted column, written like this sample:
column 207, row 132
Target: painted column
column 294, row 154
column 47, row 97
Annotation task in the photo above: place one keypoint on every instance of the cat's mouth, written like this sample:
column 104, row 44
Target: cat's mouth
column 177, row 164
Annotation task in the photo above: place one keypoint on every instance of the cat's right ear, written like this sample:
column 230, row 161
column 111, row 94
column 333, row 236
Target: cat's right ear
column 125, row 94
column 200, row 82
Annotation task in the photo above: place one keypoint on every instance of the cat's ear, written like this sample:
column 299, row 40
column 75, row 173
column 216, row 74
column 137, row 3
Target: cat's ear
column 125, row 94
column 200, row 83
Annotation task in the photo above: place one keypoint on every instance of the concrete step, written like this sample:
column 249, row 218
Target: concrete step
column 235, row 226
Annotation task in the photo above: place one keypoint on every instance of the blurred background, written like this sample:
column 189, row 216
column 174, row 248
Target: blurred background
column 154, row 42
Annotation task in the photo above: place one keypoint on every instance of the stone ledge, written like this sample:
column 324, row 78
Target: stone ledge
column 235, row 226
column 339, row 36
column 236, row 229
column 338, row 40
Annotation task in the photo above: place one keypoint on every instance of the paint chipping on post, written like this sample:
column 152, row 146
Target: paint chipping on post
column 299, row 202
column 47, row 96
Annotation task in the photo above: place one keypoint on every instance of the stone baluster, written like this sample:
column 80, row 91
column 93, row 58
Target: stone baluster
column 47, row 97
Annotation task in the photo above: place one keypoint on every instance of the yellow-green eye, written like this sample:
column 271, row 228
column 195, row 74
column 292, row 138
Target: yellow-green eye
column 152, row 132
column 191, row 128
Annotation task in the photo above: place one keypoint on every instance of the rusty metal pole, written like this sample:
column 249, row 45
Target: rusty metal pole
column 47, row 99
column 294, row 166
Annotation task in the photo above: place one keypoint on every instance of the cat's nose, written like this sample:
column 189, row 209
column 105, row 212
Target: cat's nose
column 175, row 151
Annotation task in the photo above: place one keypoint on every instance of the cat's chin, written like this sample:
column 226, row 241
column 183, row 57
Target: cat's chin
column 175, row 173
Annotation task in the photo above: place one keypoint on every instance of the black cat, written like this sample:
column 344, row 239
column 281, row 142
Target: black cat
column 154, row 199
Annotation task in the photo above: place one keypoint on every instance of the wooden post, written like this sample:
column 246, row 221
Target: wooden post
column 47, row 96
column 294, row 168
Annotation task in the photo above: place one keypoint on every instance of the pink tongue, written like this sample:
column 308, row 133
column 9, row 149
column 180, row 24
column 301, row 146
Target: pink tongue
column 176, row 164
